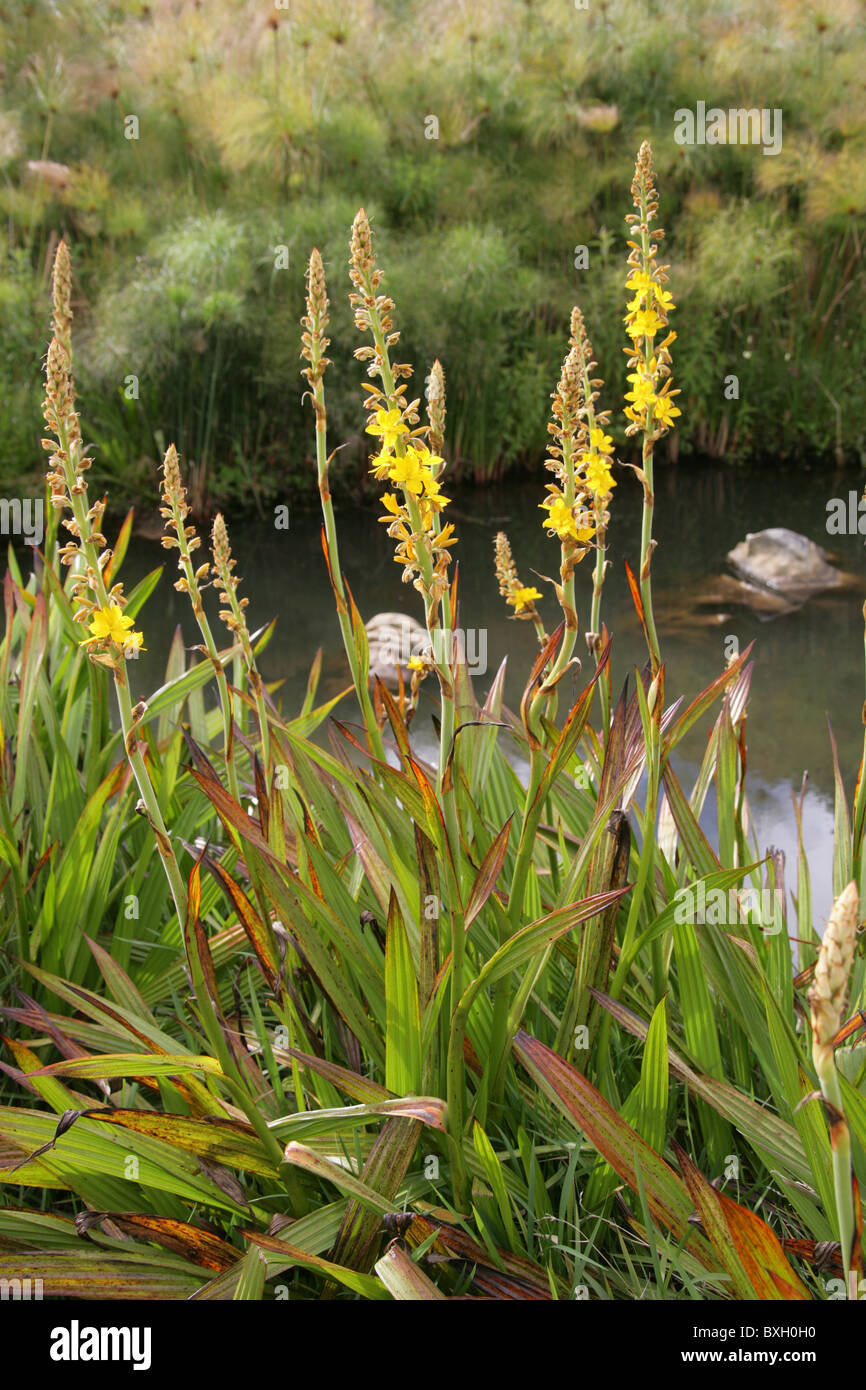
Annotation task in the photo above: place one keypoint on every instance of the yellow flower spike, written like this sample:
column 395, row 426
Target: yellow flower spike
column 648, row 410
column 405, row 459
column 520, row 597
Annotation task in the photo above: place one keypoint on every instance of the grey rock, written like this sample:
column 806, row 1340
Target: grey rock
column 393, row 638
column 784, row 563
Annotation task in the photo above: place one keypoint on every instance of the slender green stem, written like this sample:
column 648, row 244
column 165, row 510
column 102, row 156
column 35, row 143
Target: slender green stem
column 649, row 436
column 595, row 627
column 253, row 676
column 841, row 1160
column 206, row 631
column 646, row 548
column 374, row 735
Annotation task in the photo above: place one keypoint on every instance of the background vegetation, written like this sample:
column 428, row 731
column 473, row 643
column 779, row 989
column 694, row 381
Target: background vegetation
column 262, row 127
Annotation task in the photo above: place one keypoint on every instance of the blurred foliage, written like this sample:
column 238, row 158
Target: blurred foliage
column 487, row 141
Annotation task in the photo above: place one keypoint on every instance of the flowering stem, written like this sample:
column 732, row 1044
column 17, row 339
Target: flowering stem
column 374, row 735
column 254, row 680
column 546, row 693
column 441, row 644
column 97, row 582
column 595, row 625
column 424, row 554
column 647, row 545
column 175, row 512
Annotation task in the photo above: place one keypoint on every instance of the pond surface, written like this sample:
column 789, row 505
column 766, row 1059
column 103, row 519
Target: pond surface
column 808, row 665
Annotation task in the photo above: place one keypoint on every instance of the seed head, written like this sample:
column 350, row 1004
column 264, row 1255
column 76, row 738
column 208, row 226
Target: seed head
column 436, row 407
column 832, row 968
column 314, row 344
column 362, row 262
column 62, row 297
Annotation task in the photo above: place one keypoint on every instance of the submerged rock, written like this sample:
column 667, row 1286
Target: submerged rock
column 785, row 563
column 713, row 600
column 777, row 570
column 393, row 638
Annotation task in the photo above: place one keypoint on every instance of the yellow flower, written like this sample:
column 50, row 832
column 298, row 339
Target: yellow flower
column 431, row 461
column 132, row 646
column 639, row 280
column 416, row 663
column 601, row 441
column 110, row 624
column 390, row 503
column 561, row 520
column 433, row 491
column 664, row 410
column 409, row 472
column 597, row 475
column 645, row 324
column 642, row 393
column 522, row 598
column 665, row 299
column 380, row 465
column 388, row 425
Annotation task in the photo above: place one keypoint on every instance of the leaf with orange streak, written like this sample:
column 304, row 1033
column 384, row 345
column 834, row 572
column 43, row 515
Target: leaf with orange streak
column 763, row 1257
column 488, row 873
column 667, row 1196
column 202, row 1247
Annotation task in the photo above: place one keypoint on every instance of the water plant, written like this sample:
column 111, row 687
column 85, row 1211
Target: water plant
column 423, row 1025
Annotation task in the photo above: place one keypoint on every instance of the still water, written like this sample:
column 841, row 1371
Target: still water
column 808, row 665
